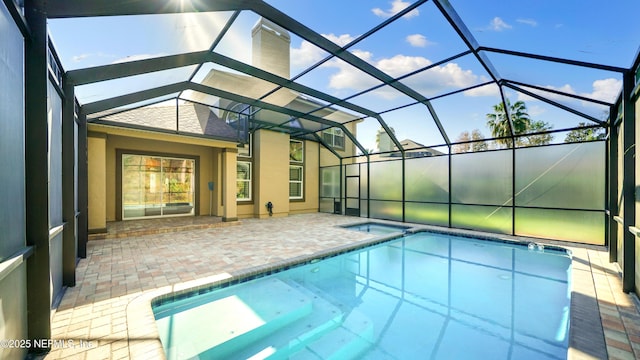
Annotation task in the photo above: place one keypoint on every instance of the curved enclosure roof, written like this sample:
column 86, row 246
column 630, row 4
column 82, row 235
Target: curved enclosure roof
column 452, row 76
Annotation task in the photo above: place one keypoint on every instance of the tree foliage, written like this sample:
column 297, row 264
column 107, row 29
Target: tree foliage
column 500, row 127
column 470, row 142
column 584, row 133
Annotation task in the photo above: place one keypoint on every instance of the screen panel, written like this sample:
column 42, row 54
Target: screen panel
column 482, row 178
column 387, row 210
column 484, row 218
column 427, row 179
column 563, row 176
column 386, row 180
column 427, row 213
column 579, row 226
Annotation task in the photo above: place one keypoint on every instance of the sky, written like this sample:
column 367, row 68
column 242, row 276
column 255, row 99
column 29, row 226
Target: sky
column 585, row 31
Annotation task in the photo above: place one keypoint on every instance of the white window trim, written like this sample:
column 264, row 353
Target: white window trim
column 301, row 181
column 249, row 181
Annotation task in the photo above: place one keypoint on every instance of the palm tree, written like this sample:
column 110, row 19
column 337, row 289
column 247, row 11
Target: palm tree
column 499, row 124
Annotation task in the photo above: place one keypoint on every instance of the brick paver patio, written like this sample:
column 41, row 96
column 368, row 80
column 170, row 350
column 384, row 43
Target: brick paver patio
column 107, row 315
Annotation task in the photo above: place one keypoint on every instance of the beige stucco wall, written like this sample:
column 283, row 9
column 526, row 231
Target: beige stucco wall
column 271, row 177
column 271, row 172
column 97, row 195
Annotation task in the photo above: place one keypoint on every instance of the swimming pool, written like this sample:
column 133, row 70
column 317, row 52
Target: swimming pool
column 424, row 295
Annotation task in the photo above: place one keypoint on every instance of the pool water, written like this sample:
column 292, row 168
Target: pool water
column 377, row 228
column 422, row 296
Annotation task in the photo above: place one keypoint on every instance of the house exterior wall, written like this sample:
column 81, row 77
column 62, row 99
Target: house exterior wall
column 271, row 173
column 97, row 182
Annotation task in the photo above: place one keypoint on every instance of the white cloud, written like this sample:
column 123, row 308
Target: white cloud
column 308, row 54
column 603, row 90
column 340, row 40
column 487, row 90
column 497, row 24
column 606, row 89
column 529, row 22
column 418, row 40
column 81, row 57
column 137, row 57
column 535, row 110
column 396, row 7
column 348, row 77
column 431, row 82
column 436, row 80
column 401, row 64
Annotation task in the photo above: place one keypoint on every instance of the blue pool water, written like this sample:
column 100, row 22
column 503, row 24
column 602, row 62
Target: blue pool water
column 422, row 296
column 377, row 228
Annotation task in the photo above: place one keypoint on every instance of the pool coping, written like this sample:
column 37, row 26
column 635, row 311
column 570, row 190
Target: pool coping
column 586, row 332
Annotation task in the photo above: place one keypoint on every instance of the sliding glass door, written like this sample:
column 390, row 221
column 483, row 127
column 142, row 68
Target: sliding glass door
column 154, row 186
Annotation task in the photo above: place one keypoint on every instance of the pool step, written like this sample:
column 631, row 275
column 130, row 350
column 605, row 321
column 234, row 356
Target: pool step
column 348, row 341
column 243, row 315
column 295, row 336
column 325, row 333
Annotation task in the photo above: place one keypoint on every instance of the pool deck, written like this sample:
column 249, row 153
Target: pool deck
column 107, row 314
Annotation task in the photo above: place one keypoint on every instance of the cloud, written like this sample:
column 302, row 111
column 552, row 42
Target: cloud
column 529, row 22
column 497, row 24
column 603, row 90
column 308, row 54
column 432, row 82
column 396, row 7
column 606, row 89
column 418, row 40
column 81, row 57
column 487, row 90
column 340, row 40
column 401, row 64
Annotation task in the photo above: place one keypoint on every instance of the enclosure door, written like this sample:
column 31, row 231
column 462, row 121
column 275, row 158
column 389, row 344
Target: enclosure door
column 352, row 190
column 154, row 186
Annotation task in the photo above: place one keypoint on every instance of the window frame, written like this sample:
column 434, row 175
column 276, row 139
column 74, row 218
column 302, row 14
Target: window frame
column 301, row 181
column 249, row 181
column 332, row 133
column 299, row 164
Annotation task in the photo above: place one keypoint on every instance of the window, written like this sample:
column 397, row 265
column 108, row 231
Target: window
column 334, row 137
column 296, row 151
column 154, row 186
column 296, row 169
column 243, row 192
column 295, row 181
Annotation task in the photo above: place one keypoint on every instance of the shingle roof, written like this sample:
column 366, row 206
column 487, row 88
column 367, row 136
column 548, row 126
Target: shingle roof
column 192, row 118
